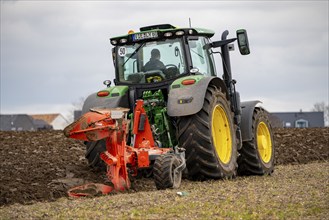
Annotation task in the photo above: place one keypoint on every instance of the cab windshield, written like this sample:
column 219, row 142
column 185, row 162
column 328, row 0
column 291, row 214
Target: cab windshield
column 150, row 62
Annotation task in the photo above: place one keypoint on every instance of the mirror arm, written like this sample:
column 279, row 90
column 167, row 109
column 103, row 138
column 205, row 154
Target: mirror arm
column 222, row 42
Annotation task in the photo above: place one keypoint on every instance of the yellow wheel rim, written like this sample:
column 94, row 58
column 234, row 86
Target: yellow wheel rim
column 221, row 133
column 264, row 142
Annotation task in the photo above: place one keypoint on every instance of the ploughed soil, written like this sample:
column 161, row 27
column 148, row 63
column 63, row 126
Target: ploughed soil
column 43, row 165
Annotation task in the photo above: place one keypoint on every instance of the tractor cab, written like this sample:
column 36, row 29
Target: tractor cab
column 160, row 54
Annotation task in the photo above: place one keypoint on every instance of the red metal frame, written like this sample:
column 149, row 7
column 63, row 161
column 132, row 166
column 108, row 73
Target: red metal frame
column 100, row 124
column 143, row 138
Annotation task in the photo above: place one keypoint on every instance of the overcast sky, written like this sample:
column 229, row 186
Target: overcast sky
column 53, row 53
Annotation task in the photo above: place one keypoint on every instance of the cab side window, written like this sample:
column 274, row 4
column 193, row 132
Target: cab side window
column 201, row 56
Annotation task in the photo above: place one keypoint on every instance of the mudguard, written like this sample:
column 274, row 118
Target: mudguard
column 246, row 119
column 188, row 99
column 118, row 97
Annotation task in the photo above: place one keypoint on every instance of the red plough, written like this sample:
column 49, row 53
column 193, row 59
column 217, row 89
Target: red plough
column 121, row 159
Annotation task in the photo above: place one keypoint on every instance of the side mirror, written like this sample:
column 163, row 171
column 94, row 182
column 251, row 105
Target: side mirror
column 243, row 41
column 107, row 83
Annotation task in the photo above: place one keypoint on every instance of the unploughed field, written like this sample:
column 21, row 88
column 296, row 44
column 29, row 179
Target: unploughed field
column 37, row 169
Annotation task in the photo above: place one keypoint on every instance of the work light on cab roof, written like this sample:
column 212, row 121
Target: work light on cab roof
column 158, row 32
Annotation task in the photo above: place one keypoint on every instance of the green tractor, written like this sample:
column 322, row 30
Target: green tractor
column 187, row 104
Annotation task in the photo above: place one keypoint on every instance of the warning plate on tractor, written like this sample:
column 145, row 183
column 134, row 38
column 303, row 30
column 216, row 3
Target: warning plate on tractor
column 143, row 36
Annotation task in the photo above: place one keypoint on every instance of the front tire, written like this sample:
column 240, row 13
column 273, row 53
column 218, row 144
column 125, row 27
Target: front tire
column 209, row 138
column 257, row 155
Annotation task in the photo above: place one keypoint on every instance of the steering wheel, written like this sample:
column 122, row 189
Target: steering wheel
column 170, row 65
column 171, row 71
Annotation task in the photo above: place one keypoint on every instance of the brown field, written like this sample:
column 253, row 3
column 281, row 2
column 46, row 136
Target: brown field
column 37, row 168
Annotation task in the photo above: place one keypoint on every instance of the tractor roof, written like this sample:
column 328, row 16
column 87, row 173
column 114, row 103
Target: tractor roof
column 161, row 31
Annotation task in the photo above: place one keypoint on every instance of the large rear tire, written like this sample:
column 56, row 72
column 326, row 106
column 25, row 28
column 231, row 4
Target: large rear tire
column 93, row 149
column 209, row 138
column 257, row 155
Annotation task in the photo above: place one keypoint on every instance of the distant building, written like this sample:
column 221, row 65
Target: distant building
column 24, row 122
column 57, row 121
column 42, row 125
column 297, row 119
column 21, row 122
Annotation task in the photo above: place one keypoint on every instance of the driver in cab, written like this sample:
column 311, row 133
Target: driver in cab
column 154, row 63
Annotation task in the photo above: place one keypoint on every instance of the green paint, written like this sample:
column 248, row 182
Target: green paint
column 155, row 107
column 115, row 91
column 119, row 89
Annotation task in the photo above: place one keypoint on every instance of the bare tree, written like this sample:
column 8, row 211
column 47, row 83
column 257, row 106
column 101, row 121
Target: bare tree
column 76, row 106
column 322, row 107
